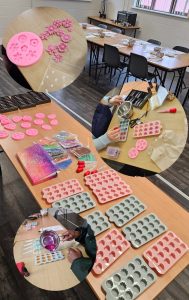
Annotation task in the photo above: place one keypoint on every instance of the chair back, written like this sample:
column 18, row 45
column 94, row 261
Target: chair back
column 104, row 26
column 155, row 42
column 138, row 66
column 117, row 30
column 111, row 56
column 181, row 48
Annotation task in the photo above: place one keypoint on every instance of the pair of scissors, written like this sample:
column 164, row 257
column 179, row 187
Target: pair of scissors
column 136, row 121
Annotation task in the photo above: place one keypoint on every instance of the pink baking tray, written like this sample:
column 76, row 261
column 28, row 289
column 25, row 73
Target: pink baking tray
column 163, row 254
column 147, row 129
column 109, row 248
column 24, row 49
column 107, row 186
column 61, row 190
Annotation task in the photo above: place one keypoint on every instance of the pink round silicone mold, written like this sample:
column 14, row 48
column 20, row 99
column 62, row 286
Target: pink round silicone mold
column 40, row 115
column 27, row 118
column 5, row 121
column 25, row 125
column 3, row 134
column 46, row 127
column 16, row 119
column 54, row 122
column 24, row 49
column 32, row 132
column 38, row 122
column 18, row 136
column 141, row 144
column 10, row 126
column 133, row 153
column 51, row 116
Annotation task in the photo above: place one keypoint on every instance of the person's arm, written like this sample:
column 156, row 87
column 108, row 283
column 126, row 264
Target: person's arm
column 81, row 267
column 102, row 142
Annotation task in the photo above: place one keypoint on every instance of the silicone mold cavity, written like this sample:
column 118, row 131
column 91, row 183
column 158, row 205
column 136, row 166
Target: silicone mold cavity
column 123, row 212
column 109, row 248
column 144, row 230
column 98, row 222
column 147, row 129
column 163, row 254
column 61, row 190
column 129, row 281
column 24, row 49
column 77, row 203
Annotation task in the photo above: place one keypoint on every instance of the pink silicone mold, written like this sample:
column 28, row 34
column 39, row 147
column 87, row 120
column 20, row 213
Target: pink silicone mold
column 107, row 186
column 61, row 190
column 3, row 134
column 18, row 136
column 10, row 126
column 24, row 49
column 27, row 118
column 16, row 119
column 147, row 129
column 163, row 254
column 32, row 132
column 141, row 144
column 133, row 153
column 109, row 248
column 25, row 124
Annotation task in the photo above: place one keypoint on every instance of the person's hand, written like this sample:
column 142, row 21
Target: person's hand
column 116, row 100
column 114, row 134
column 69, row 235
column 73, row 254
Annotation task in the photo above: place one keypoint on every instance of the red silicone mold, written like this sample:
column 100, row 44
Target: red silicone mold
column 147, row 129
column 163, row 254
column 109, row 248
column 107, row 186
column 61, row 190
column 24, row 49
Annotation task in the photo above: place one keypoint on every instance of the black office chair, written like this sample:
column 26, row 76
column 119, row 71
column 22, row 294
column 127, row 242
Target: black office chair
column 138, row 68
column 117, row 30
column 104, row 26
column 155, row 42
column 182, row 49
column 111, row 60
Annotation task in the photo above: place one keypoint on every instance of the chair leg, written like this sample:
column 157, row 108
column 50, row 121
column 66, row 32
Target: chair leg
column 118, row 77
column 111, row 70
column 187, row 96
column 172, row 81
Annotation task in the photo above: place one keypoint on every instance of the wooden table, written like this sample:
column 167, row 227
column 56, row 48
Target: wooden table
column 46, row 74
column 166, row 64
column 175, row 122
column 48, row 276
column 98, row 20
column 175, row 217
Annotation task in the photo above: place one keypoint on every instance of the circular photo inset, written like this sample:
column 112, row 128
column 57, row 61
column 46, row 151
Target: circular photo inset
column 55, row 249
column 44, row 49
column 140, row 130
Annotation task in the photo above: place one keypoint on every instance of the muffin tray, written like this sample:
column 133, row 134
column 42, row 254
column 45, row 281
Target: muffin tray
column 61, row 190
column 147, row 129
column 48, row 257
column 107, row 186
column 24, row 49
column 130, row 281
column 109, row 248
column 124, row 128
column 77, row 203
column 98, row 222
column 163, row 254
column 144, row 230
column 6, row 105
column 126, row 210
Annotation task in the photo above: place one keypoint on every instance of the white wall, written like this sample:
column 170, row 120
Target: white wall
column 169, row 30
column 78, row 9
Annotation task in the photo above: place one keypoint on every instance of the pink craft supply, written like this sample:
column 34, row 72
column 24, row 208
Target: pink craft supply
column 10, row 126
column 17, row 136
column 133, row 153
column 61, row 190
column 2, row 117
column 46, row 127
column 109, row 248
column 141, row 144
column 51, row 116
column 38, row 121
column 32, row 132
column 147, row 129
column 24, row 49
column 3, row 134
column 25, row 124
column 27, row 118
column 54, row 122
column 5, row 121
column 40, row 115
column 164, row 253
column 16, row 119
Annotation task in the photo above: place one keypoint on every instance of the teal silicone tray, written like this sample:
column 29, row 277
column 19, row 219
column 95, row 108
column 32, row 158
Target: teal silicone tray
column 98, row 222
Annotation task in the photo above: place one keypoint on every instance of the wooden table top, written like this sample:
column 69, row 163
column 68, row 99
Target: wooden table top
column 180, row 60
column 110, row 22
column 175, row 217
column 175, row 122
column 47, row 276
column 46, row 74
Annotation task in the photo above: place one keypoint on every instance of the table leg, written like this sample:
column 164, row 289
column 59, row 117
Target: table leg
column 90, row 60
column 180, row 82
column 164, row 78
column 97, row 57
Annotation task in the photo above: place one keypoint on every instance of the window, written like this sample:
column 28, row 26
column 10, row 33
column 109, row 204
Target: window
column 174, row 7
